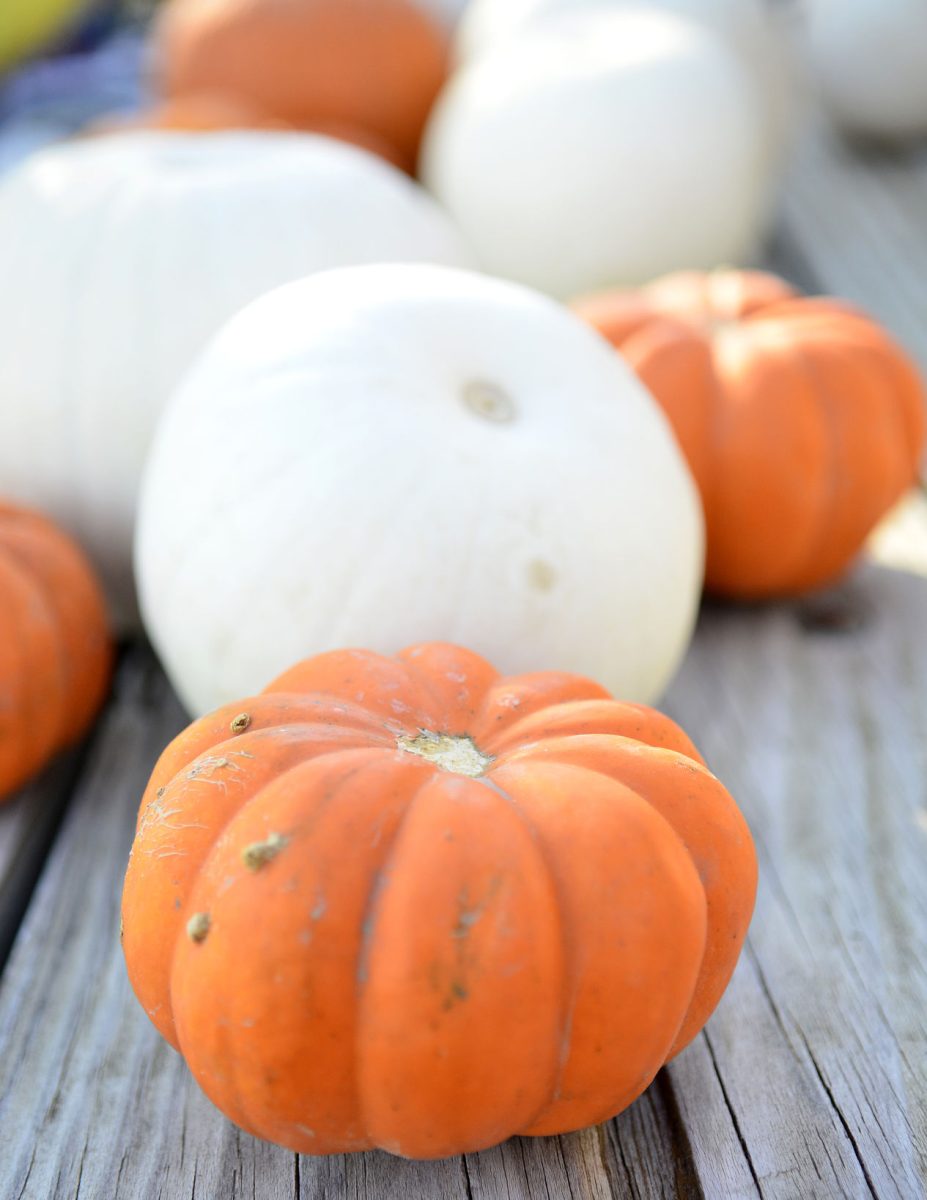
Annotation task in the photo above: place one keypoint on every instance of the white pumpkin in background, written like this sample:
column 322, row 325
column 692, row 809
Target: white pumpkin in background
column 752, row 28
column 869, row 62
column 602, row 148
column 121, row 256
column 388, row 454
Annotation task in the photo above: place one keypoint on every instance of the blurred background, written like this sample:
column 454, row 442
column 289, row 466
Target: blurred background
column 64, row 63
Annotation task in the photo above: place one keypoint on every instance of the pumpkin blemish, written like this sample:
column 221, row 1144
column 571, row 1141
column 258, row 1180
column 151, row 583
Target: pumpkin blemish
column 198, row 926
column 259, row 854
column 240, row 723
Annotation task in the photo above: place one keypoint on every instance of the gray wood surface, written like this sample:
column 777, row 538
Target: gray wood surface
column 811, row 1079
column 28, row 824
column 855, row 218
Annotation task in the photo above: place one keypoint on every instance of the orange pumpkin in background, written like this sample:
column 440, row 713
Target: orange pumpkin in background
column 373, row 66
column 55, row 652
column 408, row 903
column 803, row 422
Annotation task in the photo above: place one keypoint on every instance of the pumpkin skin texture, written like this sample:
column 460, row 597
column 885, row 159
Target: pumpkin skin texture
column 410, row 903
column 55, row 652
column 868, row 60
column 413, row 448
column 601, row 148
column 125, row 254
column 368, row 64
column 802, row 421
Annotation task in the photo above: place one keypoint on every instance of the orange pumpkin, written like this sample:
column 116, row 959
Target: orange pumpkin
column 369, row 65
column 212, row 114
column 408, row 903
column 54, row 649
column 802, row 421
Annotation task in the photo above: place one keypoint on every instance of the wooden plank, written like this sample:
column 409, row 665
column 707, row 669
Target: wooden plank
column 28, row 824
column 815, row 715
column 857, row 222
column 810, row 1081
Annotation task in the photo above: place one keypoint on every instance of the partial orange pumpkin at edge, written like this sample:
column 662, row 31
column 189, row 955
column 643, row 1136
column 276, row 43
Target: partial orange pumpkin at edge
column 55, row 652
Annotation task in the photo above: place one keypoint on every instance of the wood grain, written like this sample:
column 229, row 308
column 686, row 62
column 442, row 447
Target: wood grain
column 812, row 1077
column 29, row 821
column 821, row 1043
column 857, row 218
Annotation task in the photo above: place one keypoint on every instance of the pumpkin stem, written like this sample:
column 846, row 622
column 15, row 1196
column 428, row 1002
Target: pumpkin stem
column 458, row 754
column 489, row 402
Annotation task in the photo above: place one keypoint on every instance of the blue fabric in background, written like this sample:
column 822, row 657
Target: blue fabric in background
column 100, row 70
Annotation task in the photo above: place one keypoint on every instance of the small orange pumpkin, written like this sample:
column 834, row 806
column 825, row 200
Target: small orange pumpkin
column 803, row 422
column 408, row 903
column 55, row 651
column 368, row 65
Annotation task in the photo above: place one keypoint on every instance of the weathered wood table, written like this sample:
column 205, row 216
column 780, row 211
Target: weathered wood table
column 810, row 1080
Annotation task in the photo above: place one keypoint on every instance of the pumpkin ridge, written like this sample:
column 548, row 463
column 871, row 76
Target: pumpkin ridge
column 901, row 382
column 887, row 380
column 460, row 793
column 425, row 674
column 369, row 753
column 784, row 357
column 30, row 632
column 184, row 889
column 210, row 759
column 492, row 729
column 17, row 768
column 714, row 465
column 537, row 1126
column 721, row 812
column 368, row 925
column 512, row 739
column 42, row 590
column 828, row 402
column 251, row 708
column 314, row 806
column 567, row 1004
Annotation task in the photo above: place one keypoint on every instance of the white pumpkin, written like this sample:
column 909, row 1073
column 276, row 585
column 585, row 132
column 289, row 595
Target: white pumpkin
column 382, row 455
column 120, row 256
column 869, row 61
column 749, row 27
column 601, row 149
